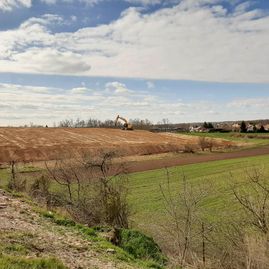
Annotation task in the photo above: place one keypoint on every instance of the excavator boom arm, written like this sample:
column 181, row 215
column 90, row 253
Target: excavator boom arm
column 120, row 118
column 126, row 126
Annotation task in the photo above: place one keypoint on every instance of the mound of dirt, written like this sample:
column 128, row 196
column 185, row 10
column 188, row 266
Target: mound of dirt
column 39, row 144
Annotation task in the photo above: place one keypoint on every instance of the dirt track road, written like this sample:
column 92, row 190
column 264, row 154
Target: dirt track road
column 184, row 159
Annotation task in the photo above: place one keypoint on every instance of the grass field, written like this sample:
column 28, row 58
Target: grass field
column 145, row 194
column 146, row 198
column 254, row 139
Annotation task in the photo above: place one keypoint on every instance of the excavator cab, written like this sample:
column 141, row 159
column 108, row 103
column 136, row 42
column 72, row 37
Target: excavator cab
column 126, row 125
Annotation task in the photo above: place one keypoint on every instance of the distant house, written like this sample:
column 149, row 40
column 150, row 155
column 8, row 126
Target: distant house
column 224, row 127
column 236, row 127
column 250, row 128
column 198, row 129
column 266, row 127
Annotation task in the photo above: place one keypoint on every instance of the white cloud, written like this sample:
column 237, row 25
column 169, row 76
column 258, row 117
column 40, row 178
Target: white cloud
column 21, row 104
column 190, row 41
column 249, row 103
column 80, row 90
column 150, row 85
column 117, row 88
column 9, row 5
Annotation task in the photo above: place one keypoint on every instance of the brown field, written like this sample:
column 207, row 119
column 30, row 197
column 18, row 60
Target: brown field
column 39, row 144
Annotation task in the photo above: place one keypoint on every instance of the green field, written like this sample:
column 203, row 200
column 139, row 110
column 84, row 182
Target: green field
column 253, row 139
column 146, row 198
column 145, row 194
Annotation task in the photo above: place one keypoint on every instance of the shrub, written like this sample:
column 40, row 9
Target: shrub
column 40, row 188
column 141, row 246
column 189, row 149
column 94, row 193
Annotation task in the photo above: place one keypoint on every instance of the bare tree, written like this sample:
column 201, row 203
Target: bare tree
column 184, row 210
column 202, row 143
column 15, row 182
column 96, row 189
column 253, row 195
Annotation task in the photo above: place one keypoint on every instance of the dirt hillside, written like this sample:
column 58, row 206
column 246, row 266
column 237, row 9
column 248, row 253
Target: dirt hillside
column 38, row 144
column 26, row 233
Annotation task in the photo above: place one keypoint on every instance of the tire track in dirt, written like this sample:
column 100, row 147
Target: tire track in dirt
column 184, row 159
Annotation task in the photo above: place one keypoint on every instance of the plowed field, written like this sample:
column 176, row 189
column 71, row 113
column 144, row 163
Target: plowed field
column 38, row 144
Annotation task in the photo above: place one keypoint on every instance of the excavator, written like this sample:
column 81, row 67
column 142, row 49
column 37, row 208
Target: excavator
column 126, row 126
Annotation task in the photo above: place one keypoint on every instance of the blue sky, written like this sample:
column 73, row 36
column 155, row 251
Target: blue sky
column 186, row 60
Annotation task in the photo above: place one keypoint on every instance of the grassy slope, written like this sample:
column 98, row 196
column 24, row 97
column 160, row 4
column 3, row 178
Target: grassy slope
column 146, row 197
column 12, row 254
column 11, row 262
column 19, row 248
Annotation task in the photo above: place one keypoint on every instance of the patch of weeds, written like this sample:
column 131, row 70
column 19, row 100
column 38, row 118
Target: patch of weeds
column 153, row 264
column 86, row 230
column 15, row 243
column 11, row 262
column 15, row 248
column 141, row 246
column 64, row 222
column 58, row 220
column 13, row 236
column 29, row 169
column 69, row 223
column 48, row 214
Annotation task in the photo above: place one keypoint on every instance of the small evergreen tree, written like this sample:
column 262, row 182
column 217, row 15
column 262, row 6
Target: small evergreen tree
column 210, row 125
column 262, row 129
column 243, row 127
column 205, row 125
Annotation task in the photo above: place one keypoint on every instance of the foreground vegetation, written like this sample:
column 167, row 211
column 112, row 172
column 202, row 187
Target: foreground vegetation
column 98, row 203
column 220, row 207
column 12, row 262
column 209, row 200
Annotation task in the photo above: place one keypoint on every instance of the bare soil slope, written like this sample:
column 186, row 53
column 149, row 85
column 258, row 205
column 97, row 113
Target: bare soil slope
column 38, row 144
column 21, row 229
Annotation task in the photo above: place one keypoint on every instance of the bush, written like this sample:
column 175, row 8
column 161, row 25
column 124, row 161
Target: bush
column 188, row 149
column 40, row 188
column 141, row 246
column 93, row 193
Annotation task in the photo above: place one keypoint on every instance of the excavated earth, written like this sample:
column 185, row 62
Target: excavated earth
column 39, row 144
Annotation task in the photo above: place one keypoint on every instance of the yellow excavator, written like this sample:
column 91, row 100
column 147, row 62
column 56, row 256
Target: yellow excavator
column 126, row 126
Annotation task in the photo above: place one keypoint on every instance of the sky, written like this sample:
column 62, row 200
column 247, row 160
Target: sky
column 185, row 60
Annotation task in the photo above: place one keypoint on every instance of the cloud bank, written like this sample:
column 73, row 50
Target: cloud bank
column 9, row 5
column 193, row 40
column 22, row 104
